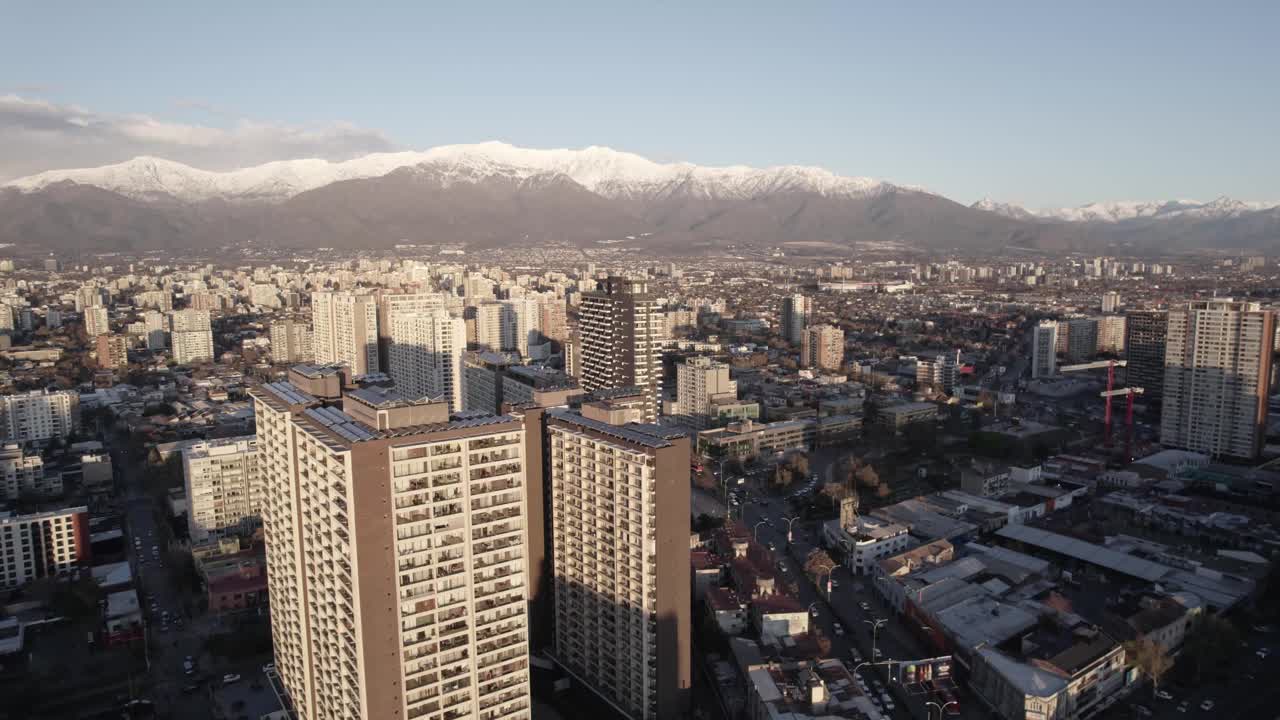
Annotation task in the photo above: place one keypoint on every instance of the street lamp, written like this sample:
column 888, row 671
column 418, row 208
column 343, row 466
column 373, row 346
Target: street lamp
column 942, row 709
column 790, row 521
column 755, row 532
column 875, row 631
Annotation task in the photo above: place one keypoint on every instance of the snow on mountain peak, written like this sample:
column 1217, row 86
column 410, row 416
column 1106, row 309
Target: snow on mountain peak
column 1121, row 211
column 602, row 170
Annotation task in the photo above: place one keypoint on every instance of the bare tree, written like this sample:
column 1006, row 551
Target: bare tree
column 1150, row 658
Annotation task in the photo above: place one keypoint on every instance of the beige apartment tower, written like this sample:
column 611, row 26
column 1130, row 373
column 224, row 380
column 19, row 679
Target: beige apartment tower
column 345, row 330
column 395, row 538
column 822, row 347
column 1217, row 373
column 610, row 577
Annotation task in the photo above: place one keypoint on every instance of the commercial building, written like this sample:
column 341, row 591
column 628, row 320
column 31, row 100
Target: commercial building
column 43, row 544
column 896, row 418
column 426, row 355
column 1044, row 348
column 345, row 330
column 621, row 337
column 866, row 541
column 700, row 382
column 396, row 542
column 617, row 513
column 292, row 342
column 190, row 336
column 39, row 415
column 797, row 310
column 938, row 371
column 822, row 347
column 223, row 480
column 1144, row 347
column 1217, row 376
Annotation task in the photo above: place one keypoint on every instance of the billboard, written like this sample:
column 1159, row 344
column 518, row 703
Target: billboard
column 923, row 676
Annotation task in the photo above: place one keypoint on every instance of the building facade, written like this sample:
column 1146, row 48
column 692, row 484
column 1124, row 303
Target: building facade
column 1218, row 356
column 1044, row 349
column 292, row 342
column 191, row 336
column 44, row 544
column 797, row 311
column 1144, row 347
column 426, row 355
column 39, row 415
column 345, row 330
column 407, row 598
column 223, row 480
column 700, row 381
column 620, row 331
column 822, row 347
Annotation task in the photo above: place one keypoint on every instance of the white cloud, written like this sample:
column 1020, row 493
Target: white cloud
column 37, row 135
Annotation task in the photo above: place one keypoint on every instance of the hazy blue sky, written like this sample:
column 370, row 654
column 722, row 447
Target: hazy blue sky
column 1044, row 103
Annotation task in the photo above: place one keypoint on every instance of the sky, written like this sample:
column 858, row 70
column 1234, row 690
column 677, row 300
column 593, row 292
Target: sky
column 1042, row 104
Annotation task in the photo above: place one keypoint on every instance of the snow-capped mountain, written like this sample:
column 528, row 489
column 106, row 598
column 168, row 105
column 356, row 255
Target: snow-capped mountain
column 1113, row 212
column 601, row 170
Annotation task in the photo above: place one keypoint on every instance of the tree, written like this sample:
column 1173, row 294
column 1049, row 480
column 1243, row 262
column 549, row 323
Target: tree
column 1150, row 658
column 836, row 492
column 1211, row 641
column 867, row 476
column 819, row 563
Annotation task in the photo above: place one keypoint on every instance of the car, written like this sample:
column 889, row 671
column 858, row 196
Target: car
column 888, row 705
column 1207, row 705
column 773, row 545
column 269, row 667
column 838, row 628
column 782, row 566
column 834, row 583
column 866, row 607
column 1182, row 706
column 875, row 653
column 1164, row 695
column 188, row 689
column 1142, row 710
column 813, row 611
column 1263, row 653
column 230, row 678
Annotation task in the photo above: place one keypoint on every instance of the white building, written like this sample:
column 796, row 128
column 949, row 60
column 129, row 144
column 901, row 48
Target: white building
column 191, row 336
column 20, row 473
column 224, row 487
column 699, row 382
column 867, row 542
column 345, row 330
column 96, row 321
column 426, row 355
column 45, row 544
column 39, row 415
column 1044, row 344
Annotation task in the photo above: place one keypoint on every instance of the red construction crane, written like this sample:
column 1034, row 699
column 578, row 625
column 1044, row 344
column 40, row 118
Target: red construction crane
column 1110, row 392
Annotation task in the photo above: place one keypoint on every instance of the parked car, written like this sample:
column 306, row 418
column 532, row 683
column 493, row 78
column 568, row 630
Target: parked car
column 1207, row 705
column 1164, row 695
column 230, row 678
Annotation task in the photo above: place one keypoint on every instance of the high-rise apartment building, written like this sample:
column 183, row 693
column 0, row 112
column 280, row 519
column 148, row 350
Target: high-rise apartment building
column 488, row 326
column 396, row 545
column 345, row 330
column 554, row 321
column 426, row 355
column 1110, row 301
column 42, row 544
column 21, row 473
column 616, row 607
column 39, row 415
column 521, row 325
column 1111, row 333
column 939, row 371
column 621, row 339
column 156, row 330
column 292, row 342
column 1144, row 347
column 113, row 351
column 1082, row 339
column 190, row 336
column 1217, row 373
column 96, row 321
column 1044, row 349
column 391, row 304
column 699, row 382
column 822, row 347
column 223, row 480
column 797, row 311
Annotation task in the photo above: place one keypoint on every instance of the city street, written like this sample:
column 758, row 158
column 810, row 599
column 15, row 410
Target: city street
column 843, row 606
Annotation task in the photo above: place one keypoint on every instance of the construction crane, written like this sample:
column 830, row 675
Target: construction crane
column 1109, row 393
column 1128, row 392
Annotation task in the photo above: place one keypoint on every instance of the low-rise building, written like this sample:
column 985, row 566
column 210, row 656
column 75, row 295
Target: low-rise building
column 896, row 418
column 868, row 542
